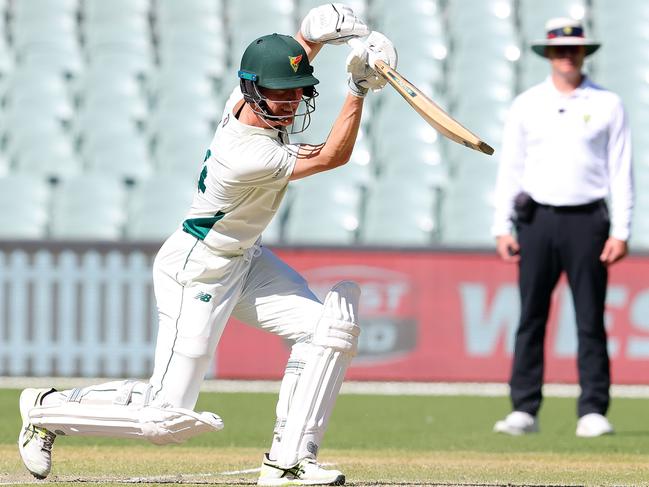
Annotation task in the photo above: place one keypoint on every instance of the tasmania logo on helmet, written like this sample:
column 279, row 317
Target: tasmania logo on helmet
column 295, row 62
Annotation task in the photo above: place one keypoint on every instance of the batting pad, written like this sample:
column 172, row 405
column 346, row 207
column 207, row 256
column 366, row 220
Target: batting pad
column 159, row 425
column 332, row 349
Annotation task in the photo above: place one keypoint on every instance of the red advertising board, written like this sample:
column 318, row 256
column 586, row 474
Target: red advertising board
column 428, row 316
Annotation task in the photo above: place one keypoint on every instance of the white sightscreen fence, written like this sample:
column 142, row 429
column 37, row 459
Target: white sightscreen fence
column 76, row 310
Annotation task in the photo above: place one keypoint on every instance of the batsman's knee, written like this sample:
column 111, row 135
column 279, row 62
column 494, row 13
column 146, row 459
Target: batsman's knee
column 165, row 425
column 338, row 326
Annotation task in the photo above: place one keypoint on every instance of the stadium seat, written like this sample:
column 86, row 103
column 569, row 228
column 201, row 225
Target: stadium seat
column 425, row 165
column 607, row 14
column 534, row 69
column 324, row 210
column 54, row 58
column 467, row 80
column 479, row 30
column 24, row 107
column 190, row 45
column 29, row 16
column 97, row 83
column 425, row 17
column 474, row 170
column 30, row 141
column 49, row 43
column 190, row 105
column 418, row 31
column 124, row 46
column 337, row 227
column 272, row 234
column 188, row 11
column 116, row 148
column 112, row 105
column 467, row 214
column 174, row 86
column 49, row 156
column 4, row 165
column 157, row 206
column 44, row 9
column 398, row 129
column 6, row 59
column 133, row 33
column 362, row 166
column 88, row 207
column 126, row 158
column 24, row 199
column 534, row 14
column 277, row 16
column 640, row 224
column 115, row 11
column 168, row 124
column 27, row 82
column 613, row 60
column 138, row 63
column 182, row 151
column 400, row 213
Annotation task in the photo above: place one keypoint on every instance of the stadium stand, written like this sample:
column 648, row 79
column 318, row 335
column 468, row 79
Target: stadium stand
column 24, row 200
column 325, row 209
column 91, row 206
column 401, row 214
column 133, row 89
column 156, row 207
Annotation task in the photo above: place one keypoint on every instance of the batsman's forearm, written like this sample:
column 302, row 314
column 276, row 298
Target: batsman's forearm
column 337, row 149
column 312, row 48
column 340, row 143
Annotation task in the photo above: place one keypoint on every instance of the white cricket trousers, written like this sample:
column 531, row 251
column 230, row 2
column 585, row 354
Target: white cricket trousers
column 197, row 290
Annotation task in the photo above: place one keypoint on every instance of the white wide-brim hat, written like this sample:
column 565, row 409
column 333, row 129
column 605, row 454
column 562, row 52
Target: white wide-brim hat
column 564, row 32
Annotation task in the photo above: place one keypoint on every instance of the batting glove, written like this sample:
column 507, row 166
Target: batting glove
column 333, row 23
column 361, row 61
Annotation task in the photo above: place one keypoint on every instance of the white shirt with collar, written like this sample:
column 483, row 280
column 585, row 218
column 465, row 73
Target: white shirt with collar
column 566, row 149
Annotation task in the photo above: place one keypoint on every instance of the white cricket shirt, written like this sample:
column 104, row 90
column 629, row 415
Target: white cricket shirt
column 241, row 185
column 564, row 150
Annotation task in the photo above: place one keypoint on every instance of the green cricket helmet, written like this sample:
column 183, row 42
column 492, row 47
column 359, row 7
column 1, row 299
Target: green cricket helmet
column 278, row 62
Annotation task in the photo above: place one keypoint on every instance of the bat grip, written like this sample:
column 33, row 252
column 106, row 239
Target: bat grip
column 379, row 65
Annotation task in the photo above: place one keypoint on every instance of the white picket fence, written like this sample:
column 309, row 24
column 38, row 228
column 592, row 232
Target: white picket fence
column 76, row 313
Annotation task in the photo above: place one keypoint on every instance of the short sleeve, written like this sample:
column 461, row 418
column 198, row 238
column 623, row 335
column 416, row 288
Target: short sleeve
column 265, row 161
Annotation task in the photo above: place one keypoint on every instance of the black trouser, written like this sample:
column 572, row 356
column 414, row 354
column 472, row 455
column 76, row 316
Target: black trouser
column 567, row 239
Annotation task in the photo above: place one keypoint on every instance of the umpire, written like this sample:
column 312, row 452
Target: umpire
column 566, row 148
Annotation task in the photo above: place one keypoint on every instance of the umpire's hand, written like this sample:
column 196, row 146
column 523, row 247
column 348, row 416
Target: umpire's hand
column 614, row 250
column 508, row 248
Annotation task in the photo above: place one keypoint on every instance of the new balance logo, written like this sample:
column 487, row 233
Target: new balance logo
column 203, row 297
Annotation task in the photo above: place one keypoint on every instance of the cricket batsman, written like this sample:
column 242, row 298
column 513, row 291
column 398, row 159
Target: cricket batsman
column 214, row 266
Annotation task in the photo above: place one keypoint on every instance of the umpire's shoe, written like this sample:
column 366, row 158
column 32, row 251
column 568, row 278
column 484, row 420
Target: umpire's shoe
column 517, row 423
column 306, row 472
column 34, row 443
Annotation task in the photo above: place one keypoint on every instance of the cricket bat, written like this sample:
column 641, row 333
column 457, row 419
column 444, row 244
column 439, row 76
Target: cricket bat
column 429, row 110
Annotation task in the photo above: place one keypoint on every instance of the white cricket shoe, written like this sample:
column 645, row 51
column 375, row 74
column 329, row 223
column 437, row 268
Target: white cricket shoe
column 306, row 472
column 592, row 425
column 517, row 423
column 34, row 443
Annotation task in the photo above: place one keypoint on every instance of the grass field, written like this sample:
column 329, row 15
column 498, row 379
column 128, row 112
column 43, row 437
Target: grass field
column 375, row 440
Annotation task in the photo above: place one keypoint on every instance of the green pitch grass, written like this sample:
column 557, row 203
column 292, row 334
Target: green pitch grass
column 375, row 440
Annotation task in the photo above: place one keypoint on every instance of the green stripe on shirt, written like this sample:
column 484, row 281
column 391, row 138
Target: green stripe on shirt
column 200, row 227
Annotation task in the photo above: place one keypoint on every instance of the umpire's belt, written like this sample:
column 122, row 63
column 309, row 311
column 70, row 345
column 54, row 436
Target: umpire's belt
column 575, row 208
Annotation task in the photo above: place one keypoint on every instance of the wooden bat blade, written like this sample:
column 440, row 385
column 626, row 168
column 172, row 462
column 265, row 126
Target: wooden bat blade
column 431, row 112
